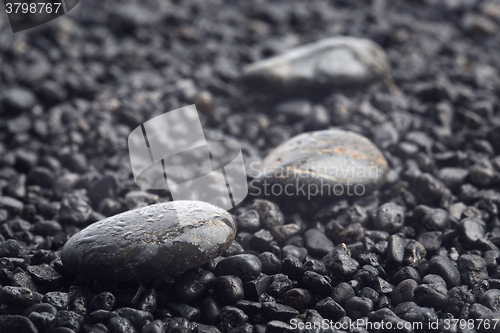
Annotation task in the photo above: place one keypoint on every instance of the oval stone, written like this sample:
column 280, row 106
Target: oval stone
column 330, row 63
column 337, row 162
column 150, row 241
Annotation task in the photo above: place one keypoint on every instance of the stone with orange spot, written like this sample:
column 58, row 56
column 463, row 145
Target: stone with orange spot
column 330, row 162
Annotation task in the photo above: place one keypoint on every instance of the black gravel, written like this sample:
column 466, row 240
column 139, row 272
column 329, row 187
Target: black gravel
column 421, row 246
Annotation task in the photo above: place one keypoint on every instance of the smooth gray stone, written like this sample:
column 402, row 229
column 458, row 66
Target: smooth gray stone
column 330, row 63
column 331, row 162
column 150, row 241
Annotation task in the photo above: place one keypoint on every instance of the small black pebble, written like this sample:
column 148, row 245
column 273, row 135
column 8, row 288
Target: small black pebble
column 490, row 299
column 317, row 243
column 228, row 289
column 183, row 310
column 431, row 295
column 270, row 263
column 280, row 285
column 358, row 307
column 395, row 250
column 210, row 311
column 406, row 272
column 277, row 311
column 290, row 251
column 342, row 292
column 269, row 213
column 103, row 301
column 248, row 221
column 137, row 317
column 15, row 323
column 234, row 316
column 292, row 267
column 192, row 286
column 404, row 291
column 155, row 326
column 276, row 326
column 436, row 220
column 121, row 325
column 256, row 288
column 472, row 269
column 298, row 298
column 471, row 229
column 457, row 297
column 330, row 309
column 317, row 283
column 390, row 218
column 261, row 240
column 245, row 266
column 341, row 264
column 445, row 268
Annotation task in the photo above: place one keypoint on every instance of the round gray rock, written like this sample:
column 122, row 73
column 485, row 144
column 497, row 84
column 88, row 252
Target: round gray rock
column 331, row 162
column 150, row 241
column 336, row 62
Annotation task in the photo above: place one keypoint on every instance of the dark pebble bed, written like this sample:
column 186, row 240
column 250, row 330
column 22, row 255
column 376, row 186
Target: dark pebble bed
column 412, row 91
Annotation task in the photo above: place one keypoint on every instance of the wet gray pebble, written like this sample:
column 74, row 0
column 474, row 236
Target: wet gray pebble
column 490, row 300
column 294, row 251
column 323, row 163
column 228, row 289
column 436, row 219
column 150, row 241
column 270, row 214
column 248, row 221
column 298, row 298
column 404, row 291
column 18, row 296
column 319, row 284
column 326, row 64
column 245, row 266
column 471, row 229
column 472, row 269
column 390, row 217
column 317, row 243
column 280, row 285
column 395, row 249
column 261, row 240
column 458, row 297
column 357, row 307
column 341, row 264
column 15, row 323
column 406, row 272
column 17, row 100
column 270, row 263
column 233, row 316
column 431, row 295
column 445, row 268
column 330, row 309
column 278, row 311
column 120, row 324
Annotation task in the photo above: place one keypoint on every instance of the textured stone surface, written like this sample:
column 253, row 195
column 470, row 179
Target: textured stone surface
column 330, row 63
column 149, row 242
column 328, row 162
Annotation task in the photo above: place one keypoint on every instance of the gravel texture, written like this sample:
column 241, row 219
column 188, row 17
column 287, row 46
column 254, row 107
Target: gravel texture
column 421, row 246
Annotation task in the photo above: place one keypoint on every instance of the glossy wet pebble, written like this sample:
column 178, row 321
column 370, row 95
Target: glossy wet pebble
column 327, row 64
column 329, row 163
column 151, row 241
